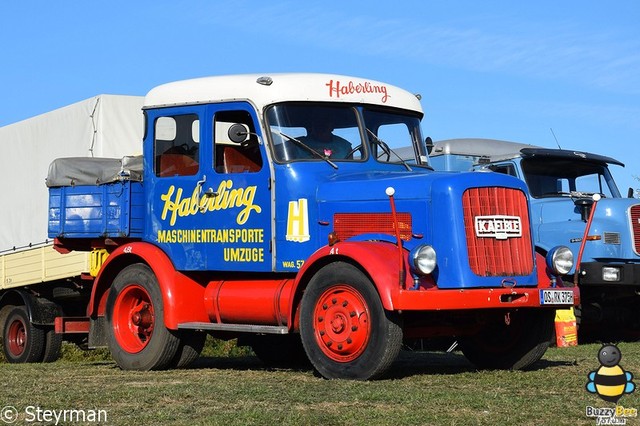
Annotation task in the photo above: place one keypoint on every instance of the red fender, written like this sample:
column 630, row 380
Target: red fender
column 182, row 297
column 378, row 259
column 544, row 278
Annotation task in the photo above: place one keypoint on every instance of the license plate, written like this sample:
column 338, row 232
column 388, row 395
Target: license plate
column 556, row 297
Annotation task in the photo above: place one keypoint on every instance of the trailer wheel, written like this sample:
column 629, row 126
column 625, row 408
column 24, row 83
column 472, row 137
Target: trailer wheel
column 511, row 341
column 345, row 331
column 52, row 345
column 22, row 341
column 137, row 337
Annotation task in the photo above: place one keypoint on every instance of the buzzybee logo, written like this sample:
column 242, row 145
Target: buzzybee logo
column 610, row 381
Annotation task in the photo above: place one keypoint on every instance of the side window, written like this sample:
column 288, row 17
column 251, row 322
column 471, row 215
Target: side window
column 506, row 169
column 232, row 157
column 176, row 145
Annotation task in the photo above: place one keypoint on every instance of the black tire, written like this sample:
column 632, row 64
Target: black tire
column 345, row 331
column 23, row 342
column 52, row 345
column 514, row 346
column 191, row 344
column 577, row 311
column 136, row 335
column 280, row 351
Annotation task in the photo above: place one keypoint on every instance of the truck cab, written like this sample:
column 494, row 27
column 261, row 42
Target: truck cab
column 278, row 210
column 562, row 184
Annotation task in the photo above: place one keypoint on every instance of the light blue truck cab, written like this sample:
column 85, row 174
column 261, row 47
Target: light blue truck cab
column 561, row 185
column 274, row 209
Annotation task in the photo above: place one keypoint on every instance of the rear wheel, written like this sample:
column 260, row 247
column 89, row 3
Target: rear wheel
column 52, row 345
column 22, row 341
column 510, row 341
column 191, row 344
column 345, row 331
column 284, row 351
column 137, row 337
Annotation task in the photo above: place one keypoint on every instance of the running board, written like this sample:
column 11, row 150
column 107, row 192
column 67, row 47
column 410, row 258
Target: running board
column 241, row 328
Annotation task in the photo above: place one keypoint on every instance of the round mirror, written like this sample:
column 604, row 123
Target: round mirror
column 238, row 133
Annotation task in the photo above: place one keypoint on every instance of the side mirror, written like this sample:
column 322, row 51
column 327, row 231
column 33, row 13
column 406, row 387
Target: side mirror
column 630, row 193
column 238, row 133
column 429, row 143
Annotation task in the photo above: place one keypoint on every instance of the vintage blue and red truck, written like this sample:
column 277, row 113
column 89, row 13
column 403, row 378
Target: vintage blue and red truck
column 274, row 209
column 562, row 184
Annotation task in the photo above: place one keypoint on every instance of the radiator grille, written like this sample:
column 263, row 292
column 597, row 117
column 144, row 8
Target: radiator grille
column 347, row 225
column 506, row 256
column 634, row 215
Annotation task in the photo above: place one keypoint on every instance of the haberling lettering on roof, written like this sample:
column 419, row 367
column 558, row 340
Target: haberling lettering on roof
column 337, row 88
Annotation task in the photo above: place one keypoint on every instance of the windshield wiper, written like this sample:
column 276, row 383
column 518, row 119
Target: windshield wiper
column 308, row 148
column 387, row 150
column 581, row 194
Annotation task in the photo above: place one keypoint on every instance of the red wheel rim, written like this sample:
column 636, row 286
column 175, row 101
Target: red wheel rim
column 17, row 337
column 133, row 318
column 341, row 323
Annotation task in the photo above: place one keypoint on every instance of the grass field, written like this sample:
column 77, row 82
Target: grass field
column 229, row 386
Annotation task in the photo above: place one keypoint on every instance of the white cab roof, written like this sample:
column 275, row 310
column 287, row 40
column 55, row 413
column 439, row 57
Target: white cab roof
column 282, row 87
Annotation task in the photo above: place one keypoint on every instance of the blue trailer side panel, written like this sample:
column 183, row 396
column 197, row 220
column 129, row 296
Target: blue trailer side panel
column 97, row 211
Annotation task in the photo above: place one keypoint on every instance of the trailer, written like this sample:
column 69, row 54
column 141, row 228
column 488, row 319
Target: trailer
column 275, row 209
column 104, row 125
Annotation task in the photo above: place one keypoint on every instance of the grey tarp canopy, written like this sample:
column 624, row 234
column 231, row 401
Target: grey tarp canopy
column 93, row 171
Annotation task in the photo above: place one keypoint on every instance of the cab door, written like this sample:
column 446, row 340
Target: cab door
column 210, row 195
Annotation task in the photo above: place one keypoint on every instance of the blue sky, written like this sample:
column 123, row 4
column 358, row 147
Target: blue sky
column 492, row 69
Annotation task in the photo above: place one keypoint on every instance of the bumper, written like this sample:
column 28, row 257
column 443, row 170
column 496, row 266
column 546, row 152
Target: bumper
column 434, row 299
column 593, row 273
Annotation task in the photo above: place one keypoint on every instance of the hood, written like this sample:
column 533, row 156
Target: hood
column 415, row 185
column 558, row 221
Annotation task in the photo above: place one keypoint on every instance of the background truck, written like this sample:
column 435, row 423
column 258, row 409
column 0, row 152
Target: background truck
column 275, row 210
column 561, row 185
column 32, row 273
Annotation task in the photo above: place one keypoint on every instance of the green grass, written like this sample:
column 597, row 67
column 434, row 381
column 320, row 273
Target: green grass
column 229, row 386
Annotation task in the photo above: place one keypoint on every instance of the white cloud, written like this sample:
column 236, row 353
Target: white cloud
column 561, row 50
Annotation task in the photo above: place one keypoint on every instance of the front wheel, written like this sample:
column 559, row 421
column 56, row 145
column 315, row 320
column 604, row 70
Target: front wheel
column 345, row 330
column 510, row 340
column 137, row 337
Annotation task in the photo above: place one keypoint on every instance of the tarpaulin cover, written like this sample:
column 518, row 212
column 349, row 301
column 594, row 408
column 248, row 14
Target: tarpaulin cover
column 102, row 126
column 93, row 171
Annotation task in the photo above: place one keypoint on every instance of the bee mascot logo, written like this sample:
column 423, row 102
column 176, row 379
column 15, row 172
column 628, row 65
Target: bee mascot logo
column 610, row 381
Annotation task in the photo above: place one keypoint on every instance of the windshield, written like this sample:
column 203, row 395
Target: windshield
column 334, row 133
column 546, row 178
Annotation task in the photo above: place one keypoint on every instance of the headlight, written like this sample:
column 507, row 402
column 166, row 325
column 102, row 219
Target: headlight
column 611, row 273
column 423, row 259
column 560, row 260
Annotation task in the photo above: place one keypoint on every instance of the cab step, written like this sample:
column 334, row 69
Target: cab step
column 240, row 328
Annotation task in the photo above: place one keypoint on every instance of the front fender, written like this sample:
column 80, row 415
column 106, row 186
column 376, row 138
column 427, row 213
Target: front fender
column 378, row 260
column 182, row 297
